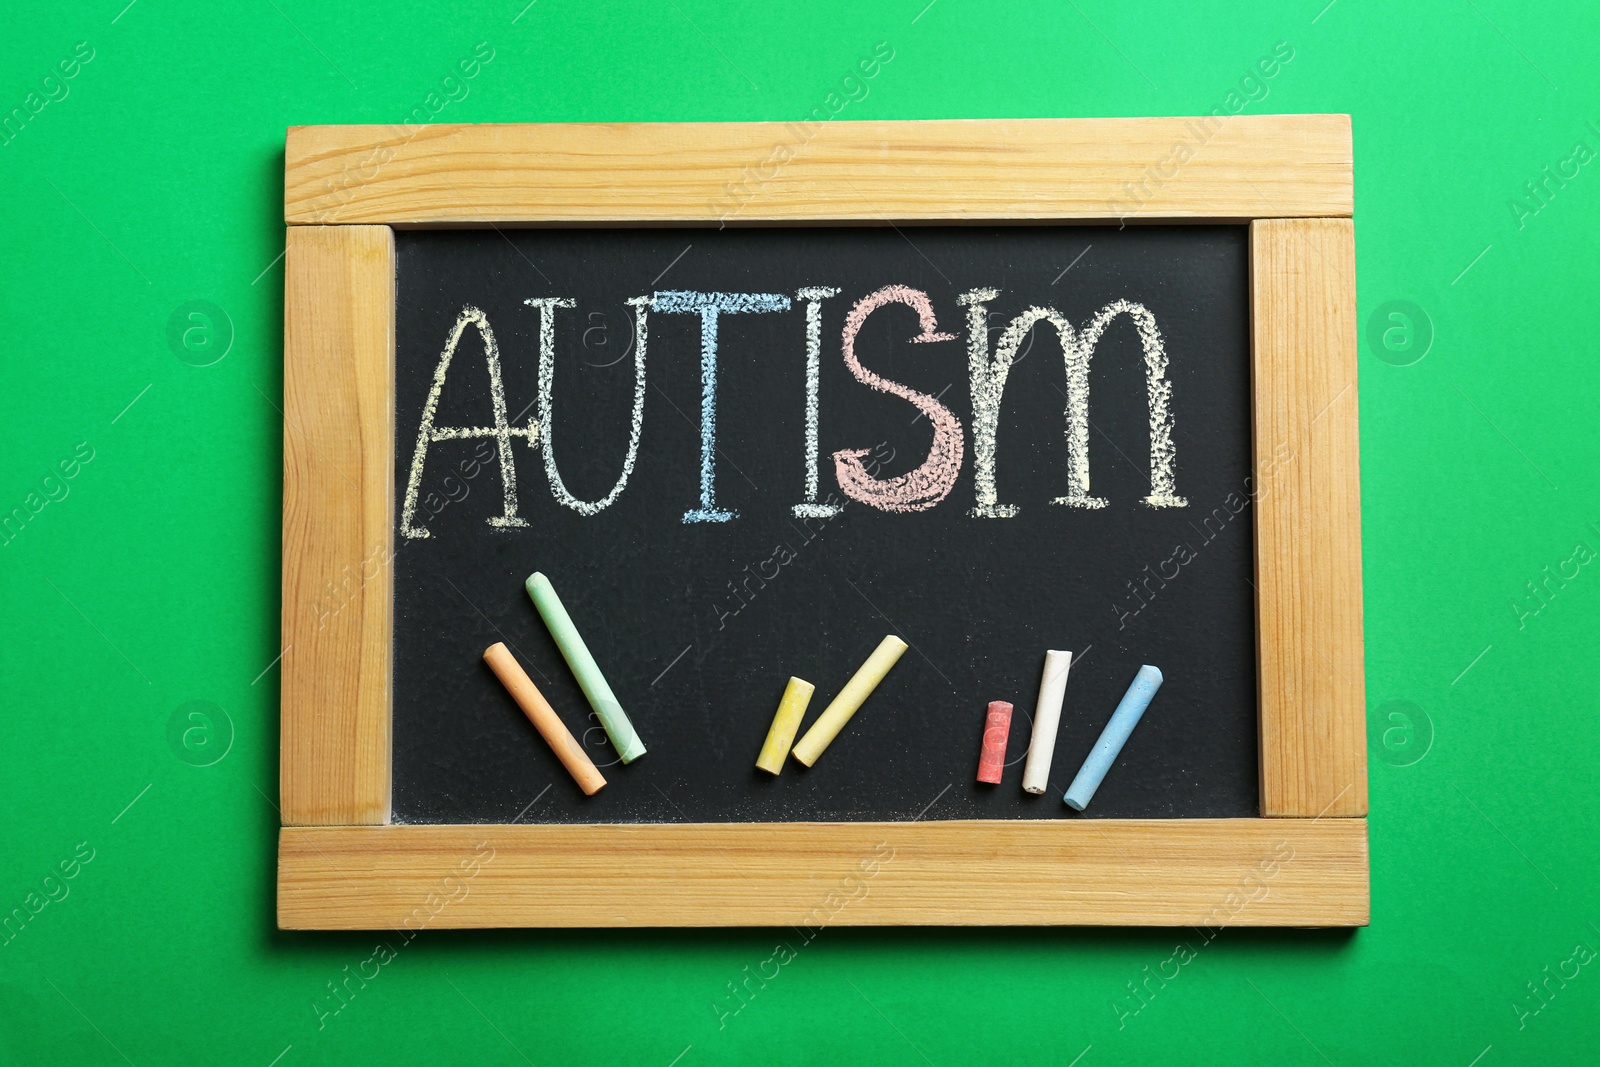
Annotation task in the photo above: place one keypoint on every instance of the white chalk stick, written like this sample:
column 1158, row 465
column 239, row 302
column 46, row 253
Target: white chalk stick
column 1046, row 719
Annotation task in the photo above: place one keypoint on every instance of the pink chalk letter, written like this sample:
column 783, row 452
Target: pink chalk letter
column 920, row 489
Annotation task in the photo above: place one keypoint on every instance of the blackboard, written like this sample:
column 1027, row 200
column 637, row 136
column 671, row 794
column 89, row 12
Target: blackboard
column 698, row 624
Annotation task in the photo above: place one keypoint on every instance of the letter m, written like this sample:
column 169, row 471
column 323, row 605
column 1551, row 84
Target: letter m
column 988, row 381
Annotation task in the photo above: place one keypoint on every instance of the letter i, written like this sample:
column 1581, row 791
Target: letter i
column 813, row 296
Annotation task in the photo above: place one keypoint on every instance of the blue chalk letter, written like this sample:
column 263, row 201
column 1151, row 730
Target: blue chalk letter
column 709, row 305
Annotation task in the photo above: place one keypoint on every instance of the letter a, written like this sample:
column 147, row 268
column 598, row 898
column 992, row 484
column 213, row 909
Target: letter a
column 428, row 433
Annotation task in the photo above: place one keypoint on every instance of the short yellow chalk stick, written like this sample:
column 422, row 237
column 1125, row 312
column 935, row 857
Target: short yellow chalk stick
column 785, row 724
column 849, row 700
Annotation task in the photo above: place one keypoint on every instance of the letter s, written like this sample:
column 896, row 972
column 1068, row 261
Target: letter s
column 922, row 488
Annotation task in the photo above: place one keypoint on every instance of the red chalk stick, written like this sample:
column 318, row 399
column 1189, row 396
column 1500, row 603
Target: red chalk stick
column 996, row 728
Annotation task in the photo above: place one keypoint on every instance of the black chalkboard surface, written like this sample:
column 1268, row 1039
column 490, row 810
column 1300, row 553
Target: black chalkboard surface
column 700, row 590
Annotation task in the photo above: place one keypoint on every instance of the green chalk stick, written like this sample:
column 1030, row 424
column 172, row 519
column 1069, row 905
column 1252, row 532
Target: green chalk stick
column 584, row 668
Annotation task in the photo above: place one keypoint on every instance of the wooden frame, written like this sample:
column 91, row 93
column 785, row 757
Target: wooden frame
column 1304, row 862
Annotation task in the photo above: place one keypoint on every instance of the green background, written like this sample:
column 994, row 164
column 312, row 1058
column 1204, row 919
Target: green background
column 154, row 582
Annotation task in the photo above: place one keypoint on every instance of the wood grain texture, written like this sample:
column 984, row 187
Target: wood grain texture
column 338, row 524
column 1146, row 169
column 1206, row 872
column 1308, row 519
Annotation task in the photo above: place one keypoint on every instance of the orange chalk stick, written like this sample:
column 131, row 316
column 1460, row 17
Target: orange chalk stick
column 996, row 728
column 544, row 718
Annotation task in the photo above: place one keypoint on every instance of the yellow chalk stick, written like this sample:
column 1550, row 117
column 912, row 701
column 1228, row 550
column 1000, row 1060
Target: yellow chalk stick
column 850, row 698
column 785, row 724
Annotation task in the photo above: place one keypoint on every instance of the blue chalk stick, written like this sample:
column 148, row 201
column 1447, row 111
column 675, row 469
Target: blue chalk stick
column 1113, row 737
